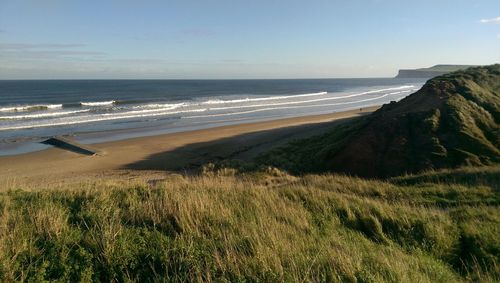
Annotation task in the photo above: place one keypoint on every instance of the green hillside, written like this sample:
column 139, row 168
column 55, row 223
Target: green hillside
column 452, row 121
column 447, row 68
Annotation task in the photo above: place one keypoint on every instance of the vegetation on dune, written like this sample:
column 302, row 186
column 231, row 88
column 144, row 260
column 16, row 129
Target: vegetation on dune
column 263, row 226
column 446, row 68
column 452, row 121
column 310, row 155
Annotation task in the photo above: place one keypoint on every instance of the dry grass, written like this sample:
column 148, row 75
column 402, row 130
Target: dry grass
column 264, row 226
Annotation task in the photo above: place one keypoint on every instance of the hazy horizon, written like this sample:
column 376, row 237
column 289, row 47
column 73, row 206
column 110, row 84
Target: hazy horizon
column 239, row 40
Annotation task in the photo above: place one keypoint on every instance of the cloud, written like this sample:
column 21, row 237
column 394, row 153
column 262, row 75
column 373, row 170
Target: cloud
column 197, row 32
column 232, row 61
column 490, row 21
column 25, row 51
column 25, row 46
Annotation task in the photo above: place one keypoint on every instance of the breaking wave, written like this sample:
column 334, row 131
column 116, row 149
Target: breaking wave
column 292, row 107
column 90, row 112
column 98, row 103
column 30, row 107
column 97, row 118
column 42, row 115
column 219, row 101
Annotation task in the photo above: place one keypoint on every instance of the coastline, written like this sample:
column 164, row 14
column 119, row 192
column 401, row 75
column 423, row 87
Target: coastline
column 171, row 152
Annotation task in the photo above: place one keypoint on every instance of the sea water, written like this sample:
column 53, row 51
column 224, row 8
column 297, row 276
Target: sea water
column 104, row 110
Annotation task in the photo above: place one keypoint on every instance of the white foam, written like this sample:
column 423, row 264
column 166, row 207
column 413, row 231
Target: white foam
column 304, row 101
column 160, row 105
column 98, row 103
column 30, row 107
column 292, row 107
column 163, row 109
column 42, row 115
column 97, row 118
column 242, row 100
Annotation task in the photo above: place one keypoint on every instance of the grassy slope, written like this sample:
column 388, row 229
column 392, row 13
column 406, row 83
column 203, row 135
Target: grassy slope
column 266, row 226
column 311, row 154
column 452, row 121
column 445, row 68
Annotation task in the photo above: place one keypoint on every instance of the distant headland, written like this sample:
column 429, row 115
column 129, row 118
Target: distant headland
column 431, row 72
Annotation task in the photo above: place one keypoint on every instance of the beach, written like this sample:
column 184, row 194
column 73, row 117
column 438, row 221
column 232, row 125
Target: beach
column 168, row 152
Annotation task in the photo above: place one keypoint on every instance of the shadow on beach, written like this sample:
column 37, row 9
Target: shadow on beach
column 243, row 147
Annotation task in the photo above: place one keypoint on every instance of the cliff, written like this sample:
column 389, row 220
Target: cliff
column 427, row 73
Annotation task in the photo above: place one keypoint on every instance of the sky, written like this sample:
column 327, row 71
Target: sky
column 232, row 39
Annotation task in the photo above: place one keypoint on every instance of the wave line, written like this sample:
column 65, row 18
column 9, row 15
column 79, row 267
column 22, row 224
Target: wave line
column 218, row 101
column 297, row 102
column 288, row 107
column 43, row 115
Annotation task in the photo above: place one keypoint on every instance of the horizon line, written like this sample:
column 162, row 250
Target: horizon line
column 194, row 79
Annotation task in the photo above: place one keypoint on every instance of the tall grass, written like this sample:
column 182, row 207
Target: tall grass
column 264, row 226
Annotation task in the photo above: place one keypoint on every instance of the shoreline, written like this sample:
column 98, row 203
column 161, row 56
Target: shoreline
column 26, row 145
column 171, row 151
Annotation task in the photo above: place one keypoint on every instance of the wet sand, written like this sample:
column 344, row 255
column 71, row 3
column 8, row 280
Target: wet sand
column 168, row 152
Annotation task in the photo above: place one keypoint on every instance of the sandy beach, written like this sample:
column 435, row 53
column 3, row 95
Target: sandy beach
column 168, row 152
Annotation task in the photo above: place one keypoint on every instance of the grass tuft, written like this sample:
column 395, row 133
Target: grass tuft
column 262, row 226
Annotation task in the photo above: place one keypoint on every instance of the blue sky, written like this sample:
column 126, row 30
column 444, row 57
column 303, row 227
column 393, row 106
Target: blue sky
column 50, row 39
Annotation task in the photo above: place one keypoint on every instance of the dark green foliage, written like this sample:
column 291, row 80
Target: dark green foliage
column 310, row 155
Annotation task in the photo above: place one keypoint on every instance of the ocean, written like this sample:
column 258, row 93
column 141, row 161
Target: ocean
column 93, row 111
